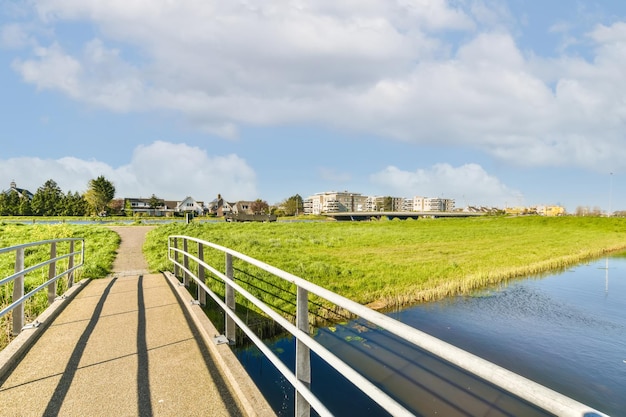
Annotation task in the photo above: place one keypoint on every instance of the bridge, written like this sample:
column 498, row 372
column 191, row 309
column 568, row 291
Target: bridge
column 402, row 215
column 138, row 344
column 125, row 345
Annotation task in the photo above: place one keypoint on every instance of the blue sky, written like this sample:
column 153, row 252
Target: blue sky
column 488, row 102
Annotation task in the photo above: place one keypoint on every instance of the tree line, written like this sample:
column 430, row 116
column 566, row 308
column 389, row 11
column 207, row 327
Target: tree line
column 50, row 200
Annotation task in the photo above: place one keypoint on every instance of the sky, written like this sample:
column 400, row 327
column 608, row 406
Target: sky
column 489, row 102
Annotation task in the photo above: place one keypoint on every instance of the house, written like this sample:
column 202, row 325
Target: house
column 159, row 207
column 219, row 207
column 149, row 207
column 242, row 207
column 21, row 192
column 189, row 205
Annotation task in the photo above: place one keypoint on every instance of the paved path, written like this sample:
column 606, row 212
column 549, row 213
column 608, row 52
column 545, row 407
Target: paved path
column 122, row 347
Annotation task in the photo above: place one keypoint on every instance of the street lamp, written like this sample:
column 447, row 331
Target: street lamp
column 610, row 193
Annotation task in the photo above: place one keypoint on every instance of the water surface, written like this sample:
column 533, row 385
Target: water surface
column 566, row 331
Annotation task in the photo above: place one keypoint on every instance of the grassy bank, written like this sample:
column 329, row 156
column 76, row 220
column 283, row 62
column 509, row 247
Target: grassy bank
column 100, row 247
column 395, row 263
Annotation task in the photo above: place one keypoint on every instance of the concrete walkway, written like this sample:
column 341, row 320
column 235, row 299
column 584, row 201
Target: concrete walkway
column 123, row 347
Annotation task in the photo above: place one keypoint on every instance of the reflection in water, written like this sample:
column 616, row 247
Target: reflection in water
column 606, row 275
column 566, row 331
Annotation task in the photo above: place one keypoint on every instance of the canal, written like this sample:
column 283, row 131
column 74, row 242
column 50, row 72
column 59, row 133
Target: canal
column 566, row 331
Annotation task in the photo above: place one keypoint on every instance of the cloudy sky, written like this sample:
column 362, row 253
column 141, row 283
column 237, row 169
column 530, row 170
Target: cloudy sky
column 488, row 102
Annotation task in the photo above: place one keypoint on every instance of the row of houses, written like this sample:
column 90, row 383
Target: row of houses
column 154, row 206
column 159, row 207
column 344, row 201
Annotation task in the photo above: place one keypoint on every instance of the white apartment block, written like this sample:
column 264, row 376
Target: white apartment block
column 385, row 203
column 432, row 204
column 335, row 202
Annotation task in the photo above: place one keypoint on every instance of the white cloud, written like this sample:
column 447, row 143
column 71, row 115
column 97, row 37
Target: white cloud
column 98, row 76
column 385, row 68
column 14, row 36
column 170, row 171
column 467, row 184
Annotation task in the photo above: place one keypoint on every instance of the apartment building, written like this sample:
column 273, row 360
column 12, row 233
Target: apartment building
column 432, row 204
column 335, row 202
column 385, row 203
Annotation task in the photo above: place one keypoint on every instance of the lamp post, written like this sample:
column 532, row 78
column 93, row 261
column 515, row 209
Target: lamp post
column 610, row 193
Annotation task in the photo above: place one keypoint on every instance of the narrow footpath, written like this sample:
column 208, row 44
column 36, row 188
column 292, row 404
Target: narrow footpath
column 122, row 347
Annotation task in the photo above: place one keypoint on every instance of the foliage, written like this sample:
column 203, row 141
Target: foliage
column 155, row 202
column 47, row 200
column 293, row 206
column 117, row 206
column 73, row 205
column 260, row 207
column 395, row 263
column 388, row 204
column 100, row 193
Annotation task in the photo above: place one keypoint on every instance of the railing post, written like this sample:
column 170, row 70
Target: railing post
column 201, row 292
column 230, row 300
column 52, row 272
column 303, row 355
column 176, row 267
column 70, row 265
column 18, row 292
column 185, row 264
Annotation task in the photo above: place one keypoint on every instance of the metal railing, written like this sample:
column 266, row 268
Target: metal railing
column 18, row 299
column 524, row 388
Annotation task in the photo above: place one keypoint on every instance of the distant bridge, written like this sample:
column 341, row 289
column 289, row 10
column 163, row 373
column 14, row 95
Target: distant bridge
column 402, row 215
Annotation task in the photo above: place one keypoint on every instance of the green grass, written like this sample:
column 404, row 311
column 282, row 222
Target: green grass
column 100, row 249
column 388, row 264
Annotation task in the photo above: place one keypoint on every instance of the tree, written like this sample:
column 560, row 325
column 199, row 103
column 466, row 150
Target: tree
column 388, row 204
column 117, row 206
column 9, row 204
column 260, row 207
column 155, row 202
column 293, row 205
column 48, row 200
column 25, row 208
column 74, row 204
column 4, row 211
column 128, row 208
column 100, row 193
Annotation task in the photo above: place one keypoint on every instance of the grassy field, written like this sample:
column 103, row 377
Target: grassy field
column 389, row 264
column 100, row 248
column 384, row 264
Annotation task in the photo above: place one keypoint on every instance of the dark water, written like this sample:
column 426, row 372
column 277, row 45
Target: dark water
column 566, row 331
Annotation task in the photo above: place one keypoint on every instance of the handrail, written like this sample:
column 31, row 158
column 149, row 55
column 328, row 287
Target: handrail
column 524, row 388
column 18, row 299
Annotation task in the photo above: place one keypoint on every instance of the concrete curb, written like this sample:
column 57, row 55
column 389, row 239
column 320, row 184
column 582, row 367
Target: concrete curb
column 250, row 398
column 15, row 350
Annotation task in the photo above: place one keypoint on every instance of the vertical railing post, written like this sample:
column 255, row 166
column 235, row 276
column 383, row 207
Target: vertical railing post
column 176, row 267
column 70, row 265
column 18, row 292
column 303, row 355
column 230, row 300
column 201, row 292
column 52, row 272
column 185, row 264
